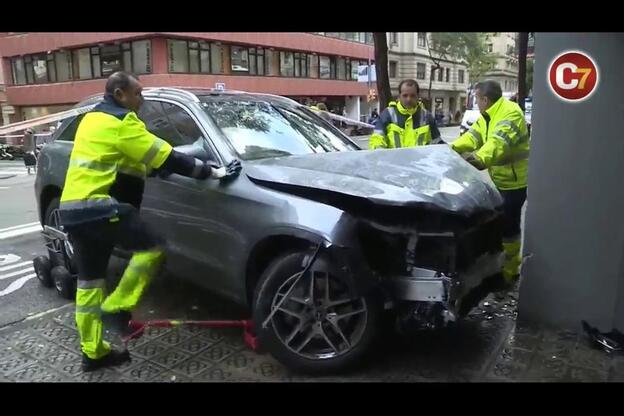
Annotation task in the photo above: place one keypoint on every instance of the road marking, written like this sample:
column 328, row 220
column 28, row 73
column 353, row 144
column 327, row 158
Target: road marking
column 17, row 273
column 8, row 259
column 4, row 187
column 15, row 266
column 17, row 284
column 20, row 231
column 15, row 227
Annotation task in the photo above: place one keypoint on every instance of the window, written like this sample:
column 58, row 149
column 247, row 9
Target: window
column 394, row 38
column 421, row 69
column 432, row 74
column 256, row 61
column 63, row 66
column 239, row 59
column 341, row 69
column 204, row 57
column 393, row 69
column 313, row 66
column 260, row 130
column 421, row 40
column 369, row 38
column 460, row 76
column 354, row 69
column 216, row 58
column 30, row 77
column 332, row 67
column 301, row 65
column 287, row 65
column 82, row 63
column 126, row 56
column 68, row 129
column 178, row 56
column 489, row 47
column 111, row 59
column 95, row 62
column 325, row 67
column 171, row 122
column 505, row 84
column 272, row 63
column 51, row 67
column 440, row 74
column 19, row 71
column 448, row 74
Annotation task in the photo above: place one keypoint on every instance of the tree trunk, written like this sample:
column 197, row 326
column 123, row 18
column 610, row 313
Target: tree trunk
column 381, row 66
column 523, row 43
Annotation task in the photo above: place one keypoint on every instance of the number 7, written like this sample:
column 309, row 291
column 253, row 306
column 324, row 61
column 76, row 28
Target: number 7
column 585, row 72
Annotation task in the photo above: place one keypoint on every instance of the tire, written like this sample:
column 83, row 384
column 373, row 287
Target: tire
column 64, row 283
column 43, row 269
column 360, row 329
column 57, row 259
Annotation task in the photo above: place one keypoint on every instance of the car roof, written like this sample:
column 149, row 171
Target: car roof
column 197, row 94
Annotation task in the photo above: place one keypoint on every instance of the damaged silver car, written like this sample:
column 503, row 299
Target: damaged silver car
column 319, row 239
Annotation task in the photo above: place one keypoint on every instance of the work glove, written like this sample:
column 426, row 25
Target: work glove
column 231, row 170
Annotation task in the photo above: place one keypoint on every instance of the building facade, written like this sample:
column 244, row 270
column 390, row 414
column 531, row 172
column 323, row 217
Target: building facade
column 408, row 57
column 502, row 45
column 50, row 72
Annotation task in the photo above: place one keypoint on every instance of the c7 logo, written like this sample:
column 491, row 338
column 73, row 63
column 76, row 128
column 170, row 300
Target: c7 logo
column 573, row 76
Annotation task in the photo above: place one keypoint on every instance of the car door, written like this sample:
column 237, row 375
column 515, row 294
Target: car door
column 195, row 216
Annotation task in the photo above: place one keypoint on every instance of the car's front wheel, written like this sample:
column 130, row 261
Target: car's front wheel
column 317, row 327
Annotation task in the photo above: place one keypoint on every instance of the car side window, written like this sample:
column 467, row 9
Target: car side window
column 67, row 130
column 171, row 123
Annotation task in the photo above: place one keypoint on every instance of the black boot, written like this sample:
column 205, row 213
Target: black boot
column 118, row 322
column 112, row 359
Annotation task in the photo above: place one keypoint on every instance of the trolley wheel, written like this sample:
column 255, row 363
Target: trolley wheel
column 43, row 268
column 64, row 282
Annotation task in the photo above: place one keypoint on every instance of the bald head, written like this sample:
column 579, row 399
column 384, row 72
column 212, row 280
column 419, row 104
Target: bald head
column 126, row 89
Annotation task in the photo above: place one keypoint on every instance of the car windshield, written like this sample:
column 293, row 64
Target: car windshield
column 258, row 129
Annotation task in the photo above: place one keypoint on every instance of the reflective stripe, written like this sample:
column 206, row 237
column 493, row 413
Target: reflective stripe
column 393, row 115
column 129, row 170
column 92, row 284
column 397, row 140
column 153, row 151
column 503, row 136
column 421, row 139
column 198, row 168
column 96, row 310
column 92, row 164
column 513, row 127
column 87, row 203
column 477, row 136
column 105, row 167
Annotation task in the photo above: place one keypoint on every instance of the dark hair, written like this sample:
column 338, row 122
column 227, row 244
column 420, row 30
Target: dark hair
column 119, row 79
column 409, row 83
column 490, row 89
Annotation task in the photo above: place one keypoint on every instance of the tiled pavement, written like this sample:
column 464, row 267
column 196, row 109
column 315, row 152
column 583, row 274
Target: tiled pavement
column 488, row 346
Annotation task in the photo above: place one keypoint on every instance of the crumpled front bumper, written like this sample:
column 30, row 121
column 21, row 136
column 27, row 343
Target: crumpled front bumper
column 459, row 292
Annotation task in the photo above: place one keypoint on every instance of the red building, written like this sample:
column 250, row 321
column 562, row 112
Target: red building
column 49, row 72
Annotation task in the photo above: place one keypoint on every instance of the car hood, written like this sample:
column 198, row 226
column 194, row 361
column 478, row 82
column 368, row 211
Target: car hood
column 432, row 176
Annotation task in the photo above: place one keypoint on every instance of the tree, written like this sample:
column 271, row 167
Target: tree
column 523, row 43
column 529, row 77
column 468, row 47
column 381, row 67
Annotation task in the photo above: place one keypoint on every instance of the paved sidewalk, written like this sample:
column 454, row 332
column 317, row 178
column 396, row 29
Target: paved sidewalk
column 488, row 346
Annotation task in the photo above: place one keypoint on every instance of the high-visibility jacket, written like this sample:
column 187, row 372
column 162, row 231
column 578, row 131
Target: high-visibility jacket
column 500, row 140
column 111, row 145
column 398, row 126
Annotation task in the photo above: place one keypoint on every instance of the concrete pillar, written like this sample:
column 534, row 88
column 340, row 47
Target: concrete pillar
column 352, row 107
column 573, row 228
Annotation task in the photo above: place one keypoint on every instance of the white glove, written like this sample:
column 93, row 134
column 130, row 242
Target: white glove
column 218, row 173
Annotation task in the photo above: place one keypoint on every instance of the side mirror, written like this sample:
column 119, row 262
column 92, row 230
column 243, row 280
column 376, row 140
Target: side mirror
column 197, row 150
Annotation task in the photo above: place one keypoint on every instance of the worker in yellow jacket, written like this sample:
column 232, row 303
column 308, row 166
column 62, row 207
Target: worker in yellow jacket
column 99, row 205
column 499, row 141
